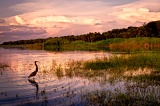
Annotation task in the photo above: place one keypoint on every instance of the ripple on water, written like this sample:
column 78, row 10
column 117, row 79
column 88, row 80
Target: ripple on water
column 16, row 89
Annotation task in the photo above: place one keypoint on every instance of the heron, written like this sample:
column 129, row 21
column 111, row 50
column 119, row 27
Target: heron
column 34, row 72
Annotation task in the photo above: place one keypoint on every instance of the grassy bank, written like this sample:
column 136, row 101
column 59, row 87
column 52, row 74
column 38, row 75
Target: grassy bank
column 133, row 44
column 114, row 44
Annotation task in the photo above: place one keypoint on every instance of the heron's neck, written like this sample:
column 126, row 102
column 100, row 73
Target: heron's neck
column 36, row 67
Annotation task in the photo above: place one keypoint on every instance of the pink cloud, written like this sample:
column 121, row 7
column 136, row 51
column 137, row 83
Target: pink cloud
column 54, row 18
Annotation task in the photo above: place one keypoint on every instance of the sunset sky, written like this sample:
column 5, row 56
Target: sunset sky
column 30, row 19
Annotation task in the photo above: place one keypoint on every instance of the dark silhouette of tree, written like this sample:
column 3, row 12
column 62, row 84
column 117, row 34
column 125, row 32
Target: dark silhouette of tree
column 152, row 29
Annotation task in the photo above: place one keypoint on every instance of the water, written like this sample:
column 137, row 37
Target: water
column 16, row 89
column 48, row 89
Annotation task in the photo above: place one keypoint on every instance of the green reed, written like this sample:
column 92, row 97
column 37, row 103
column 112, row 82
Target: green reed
column 130, row 61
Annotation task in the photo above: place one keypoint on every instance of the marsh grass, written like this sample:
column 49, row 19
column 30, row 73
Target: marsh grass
column 140, row 67
column 114, row 44
column 130, row 61
column 36, row 46
column 3, row 65
column 59, row 71
column 52, row 69
column 139, row 89
column 135, row 44
column 108, row 98
column 150, row 79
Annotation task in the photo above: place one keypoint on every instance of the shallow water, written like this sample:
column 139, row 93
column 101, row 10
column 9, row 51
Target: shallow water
column 16, row 89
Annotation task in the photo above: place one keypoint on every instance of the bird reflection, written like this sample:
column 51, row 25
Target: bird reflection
column 35, row 84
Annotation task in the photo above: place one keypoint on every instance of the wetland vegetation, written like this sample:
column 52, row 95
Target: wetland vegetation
column 139, row 71
column 121, row 66
column 124, row 79
column 3, row 64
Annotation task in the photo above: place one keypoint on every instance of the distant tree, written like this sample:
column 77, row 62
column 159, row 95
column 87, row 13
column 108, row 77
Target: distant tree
column 151, row 29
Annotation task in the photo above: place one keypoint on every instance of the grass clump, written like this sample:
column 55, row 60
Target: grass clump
column 3, row 65
column 131, row 61
column 59, row 71
column 144, row 67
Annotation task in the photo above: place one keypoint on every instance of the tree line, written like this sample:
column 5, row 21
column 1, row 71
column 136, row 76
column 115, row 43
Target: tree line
column 151, row 29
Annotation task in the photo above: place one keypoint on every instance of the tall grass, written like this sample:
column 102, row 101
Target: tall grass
column 131, row 61
column 114, row 44
column 112, row 68
column 37, row 46
column 118, row 44
column 134, row 44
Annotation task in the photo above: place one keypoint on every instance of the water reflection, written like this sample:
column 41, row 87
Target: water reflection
column 35, row 84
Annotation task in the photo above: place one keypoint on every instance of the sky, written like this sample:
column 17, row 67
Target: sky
column 32, row 19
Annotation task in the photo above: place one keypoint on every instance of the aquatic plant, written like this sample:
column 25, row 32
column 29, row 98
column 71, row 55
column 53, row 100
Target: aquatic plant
column 59, row 71
column 139, row 66
column 130, row 61
column 108, row 98
column 4, row 65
